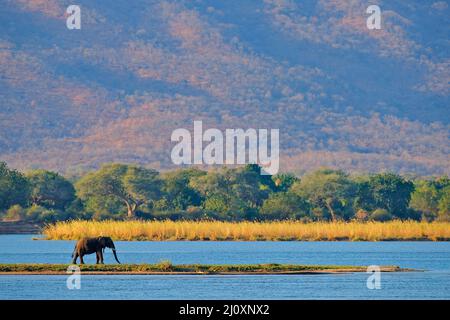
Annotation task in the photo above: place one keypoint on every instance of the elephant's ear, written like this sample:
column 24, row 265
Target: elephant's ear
column 110, row 242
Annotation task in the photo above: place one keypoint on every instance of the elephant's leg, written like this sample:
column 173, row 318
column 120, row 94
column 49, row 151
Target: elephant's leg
column 97, row 255
column 75, row 257
column 81, row 259
column 101, row 257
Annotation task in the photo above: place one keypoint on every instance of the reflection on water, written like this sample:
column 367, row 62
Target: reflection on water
column 433, row 283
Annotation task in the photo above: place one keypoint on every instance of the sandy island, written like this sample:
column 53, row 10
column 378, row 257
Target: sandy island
column 165, row 268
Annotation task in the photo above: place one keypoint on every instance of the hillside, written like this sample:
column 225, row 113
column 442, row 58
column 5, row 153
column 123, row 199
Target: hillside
column 341, row 95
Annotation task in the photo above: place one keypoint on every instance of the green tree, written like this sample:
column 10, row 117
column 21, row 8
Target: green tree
column 364, row 196
column 213, row 182
column 284, row 181
column 218, row 203
column 248, row 185
column 381, row 215
column 429, row 195
column 233, row 192
column 444, row 205
column 50, row 190
column 391, row 192
column 178, row 194
column 265, row 182
column 285, row 205
column 327, row 189
column 14, row 188
column 130, row 185
column 425, row 198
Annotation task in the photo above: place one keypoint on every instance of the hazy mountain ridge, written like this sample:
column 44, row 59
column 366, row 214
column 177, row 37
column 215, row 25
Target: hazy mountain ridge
column 114, row 91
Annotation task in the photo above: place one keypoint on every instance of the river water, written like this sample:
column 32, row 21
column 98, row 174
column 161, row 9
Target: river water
column 432, row 282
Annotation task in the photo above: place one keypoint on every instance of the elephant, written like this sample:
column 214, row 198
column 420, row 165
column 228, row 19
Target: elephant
column 91, row 245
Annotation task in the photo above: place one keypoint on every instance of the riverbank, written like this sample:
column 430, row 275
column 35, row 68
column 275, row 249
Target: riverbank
column 250, row 231
column 191, row 269
column 19, row 227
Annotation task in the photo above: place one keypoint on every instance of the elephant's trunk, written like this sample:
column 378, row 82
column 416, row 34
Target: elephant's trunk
column 115, row 255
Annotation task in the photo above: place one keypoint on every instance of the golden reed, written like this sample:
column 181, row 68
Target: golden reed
column 250, row 231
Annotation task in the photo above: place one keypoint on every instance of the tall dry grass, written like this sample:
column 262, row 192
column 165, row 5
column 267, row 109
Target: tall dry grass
column 249, row 231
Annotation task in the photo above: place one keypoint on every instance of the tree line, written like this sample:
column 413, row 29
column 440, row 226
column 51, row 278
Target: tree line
column 122, row 191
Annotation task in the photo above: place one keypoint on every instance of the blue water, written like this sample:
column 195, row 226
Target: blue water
column 431, row 283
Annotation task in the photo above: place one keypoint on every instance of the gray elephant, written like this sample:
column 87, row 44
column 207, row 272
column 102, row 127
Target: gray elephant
column 91, row 245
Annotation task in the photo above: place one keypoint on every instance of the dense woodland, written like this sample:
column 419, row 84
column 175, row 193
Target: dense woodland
column 120, row 191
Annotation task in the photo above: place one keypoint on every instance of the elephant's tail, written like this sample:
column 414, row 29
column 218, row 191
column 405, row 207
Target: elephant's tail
column 73, row 253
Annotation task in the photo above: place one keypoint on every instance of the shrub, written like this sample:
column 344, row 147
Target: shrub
column 428, row 216
column 285, row 205
column 189, row 215
column 361, row 215
column 443, row 218
column 101, row 215
column 52, row 215
column 77, row 210
column 216, row 203
column 14, row 213
column 444, row 205
column 165, row 265
column 381, row 215
column 49, row 215
column 143, row 215
column 412, row 214
column 37, row 213
column 319, row 214
column 194, row 209
column 34, row 213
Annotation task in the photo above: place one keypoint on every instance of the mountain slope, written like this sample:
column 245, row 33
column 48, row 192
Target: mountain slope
column 341, row 95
